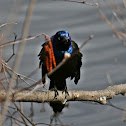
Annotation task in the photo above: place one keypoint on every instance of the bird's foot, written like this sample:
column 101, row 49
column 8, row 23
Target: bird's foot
column 56, row 92
column 66, row 93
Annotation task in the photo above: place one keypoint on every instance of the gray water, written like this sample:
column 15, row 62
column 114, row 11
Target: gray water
column 99, row 55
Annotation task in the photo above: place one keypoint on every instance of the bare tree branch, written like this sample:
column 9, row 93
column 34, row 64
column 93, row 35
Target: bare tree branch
column 99, row 96
column 18, row 59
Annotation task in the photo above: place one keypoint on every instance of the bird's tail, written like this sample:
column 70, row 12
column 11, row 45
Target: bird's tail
column 57, row 106
column 57, row 110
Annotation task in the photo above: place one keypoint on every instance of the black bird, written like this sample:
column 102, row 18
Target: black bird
column 51, row 54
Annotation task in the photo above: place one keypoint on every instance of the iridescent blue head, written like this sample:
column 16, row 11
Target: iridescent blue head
column 62, row 40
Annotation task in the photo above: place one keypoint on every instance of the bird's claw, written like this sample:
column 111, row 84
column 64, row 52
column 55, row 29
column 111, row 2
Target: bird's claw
column 66, row 93
column 56, row 92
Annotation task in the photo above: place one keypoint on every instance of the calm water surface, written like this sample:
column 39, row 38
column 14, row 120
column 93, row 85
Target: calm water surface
column 98, row 57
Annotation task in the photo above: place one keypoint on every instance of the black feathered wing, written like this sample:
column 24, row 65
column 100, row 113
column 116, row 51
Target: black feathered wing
column 75, row 63
column 42, row 63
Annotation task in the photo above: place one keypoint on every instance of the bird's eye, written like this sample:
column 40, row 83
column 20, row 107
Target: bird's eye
column 58, row 38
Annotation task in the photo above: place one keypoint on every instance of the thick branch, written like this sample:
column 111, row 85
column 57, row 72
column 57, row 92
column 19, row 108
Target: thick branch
column 74, row 95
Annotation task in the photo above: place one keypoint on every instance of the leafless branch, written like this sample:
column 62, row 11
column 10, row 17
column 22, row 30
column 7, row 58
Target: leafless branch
column 82, row 2
column 7, row 24
column 18, row 59
column 99, row 96
column 20, row 40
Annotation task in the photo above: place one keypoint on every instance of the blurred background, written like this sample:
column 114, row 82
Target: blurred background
column 104, row 57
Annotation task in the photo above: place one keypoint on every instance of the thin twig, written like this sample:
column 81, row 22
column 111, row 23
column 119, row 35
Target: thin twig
column 13, row 48
column 33, row 72
column 17, row 74
column 11, row 116
column 7, row 24
column 2, row 85
column 119, row 21
column 82, row 2
column 24, row 115
column 119, row 33
column 20, row 40
column 114, row 106
column 19, row 114
column 5, row 75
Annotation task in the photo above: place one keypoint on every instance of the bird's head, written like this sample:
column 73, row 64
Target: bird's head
column 62, row 40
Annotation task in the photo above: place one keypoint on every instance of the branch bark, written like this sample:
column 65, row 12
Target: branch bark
column 74, row 95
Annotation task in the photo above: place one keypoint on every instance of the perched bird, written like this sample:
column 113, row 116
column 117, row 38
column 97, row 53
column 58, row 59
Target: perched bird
column 51, row 54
